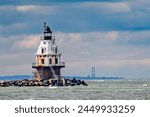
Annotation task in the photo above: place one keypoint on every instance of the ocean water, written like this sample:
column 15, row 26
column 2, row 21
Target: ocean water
column 96, row 90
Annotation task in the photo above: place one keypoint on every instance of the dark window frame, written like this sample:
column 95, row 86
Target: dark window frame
column 42, row 61
column 56, row 60
column 42, row 50
column 50, row 61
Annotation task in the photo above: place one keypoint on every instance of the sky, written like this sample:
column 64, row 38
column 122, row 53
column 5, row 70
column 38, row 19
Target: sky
column 112, row 35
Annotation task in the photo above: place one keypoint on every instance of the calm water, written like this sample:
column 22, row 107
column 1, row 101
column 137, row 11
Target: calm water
column 97, row 90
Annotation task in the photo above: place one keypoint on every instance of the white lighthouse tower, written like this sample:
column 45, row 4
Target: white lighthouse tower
column 48, row 58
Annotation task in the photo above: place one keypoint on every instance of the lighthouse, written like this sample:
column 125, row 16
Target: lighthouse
column 48, row 58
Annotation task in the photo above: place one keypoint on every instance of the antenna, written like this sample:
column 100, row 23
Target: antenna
column 45, row 28
column 93, row 72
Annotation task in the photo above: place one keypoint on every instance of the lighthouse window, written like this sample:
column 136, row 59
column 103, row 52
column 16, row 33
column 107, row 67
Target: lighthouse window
column 42, row 50
column 56, row 60
column 50, row 61
column 42, row 61
column 55, row 50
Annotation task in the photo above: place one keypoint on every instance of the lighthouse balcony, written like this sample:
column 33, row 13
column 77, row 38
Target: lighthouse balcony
column 60, row 64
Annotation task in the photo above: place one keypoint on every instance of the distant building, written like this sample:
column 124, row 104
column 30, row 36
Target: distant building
column 48, row 58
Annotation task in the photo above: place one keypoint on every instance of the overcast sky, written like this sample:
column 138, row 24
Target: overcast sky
column 112, row 35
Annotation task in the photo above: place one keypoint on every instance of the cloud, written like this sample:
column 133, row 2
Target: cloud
column 121, row 68
column 105, row 49
column 38, row 9
column 140, row 6
column 81, row 16
column 45, row 2
column 108, row 7
column 136, row 38
column 112, row 64
column 6, row 43
column 7, row 8
column 13, row 28
column 28, row 42
column 80, row 51
column 112, row 35
column 26, row 8
column 16, row 69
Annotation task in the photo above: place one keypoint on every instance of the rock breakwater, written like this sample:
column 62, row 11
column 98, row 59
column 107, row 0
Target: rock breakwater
column 50, row 82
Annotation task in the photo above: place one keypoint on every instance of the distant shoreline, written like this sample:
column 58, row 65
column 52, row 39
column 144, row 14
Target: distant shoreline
column 21, row 77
